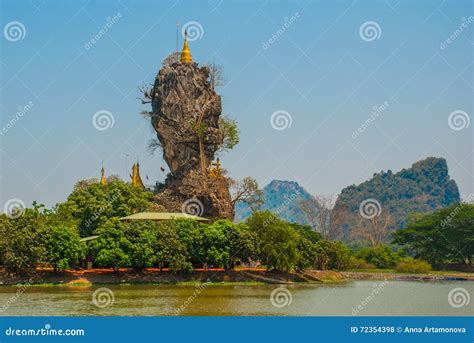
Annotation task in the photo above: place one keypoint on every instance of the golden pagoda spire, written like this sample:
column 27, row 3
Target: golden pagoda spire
column 136, row 179
column 102, row 177
column 186, row 53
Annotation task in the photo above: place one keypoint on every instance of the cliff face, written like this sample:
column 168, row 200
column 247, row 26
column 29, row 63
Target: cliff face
column 424, row 187
column 185, row 116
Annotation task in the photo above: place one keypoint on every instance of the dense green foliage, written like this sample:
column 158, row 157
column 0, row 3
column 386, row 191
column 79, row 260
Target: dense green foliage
column 51, row 238
column 382, row 257
column 92, row 204
column 63, row 248
column 443, row 237
column 410, row 265
column 423, row 188
column 23, row 241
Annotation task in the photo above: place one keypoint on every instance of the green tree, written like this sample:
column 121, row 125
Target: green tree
column 142, row 248
column 277, row 241
column 112, row 248
column 308, row 254
column 92, row 204
column 63, row 247
column 382, row 256
column 242, row 245
column 215, row 248
column 332, row 255
column 170, row 249
column 442, row 237
column 23, row 240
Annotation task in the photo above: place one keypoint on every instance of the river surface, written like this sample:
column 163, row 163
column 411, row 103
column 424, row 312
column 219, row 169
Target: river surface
column 389, row 298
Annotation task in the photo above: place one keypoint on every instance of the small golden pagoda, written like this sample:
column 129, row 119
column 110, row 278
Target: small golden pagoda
column 102, row 177
column 186, row 53
column 215, row 169
column 136, row 179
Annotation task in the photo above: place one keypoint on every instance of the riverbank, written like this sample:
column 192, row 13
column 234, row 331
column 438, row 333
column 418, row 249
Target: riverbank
column 247, row 276
column 155, row 276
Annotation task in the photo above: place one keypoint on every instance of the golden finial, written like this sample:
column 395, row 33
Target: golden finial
column 185, row 53
column 136, row 179
column 102, row 177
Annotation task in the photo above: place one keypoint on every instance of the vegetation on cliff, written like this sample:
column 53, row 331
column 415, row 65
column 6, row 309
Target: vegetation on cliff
column 423, row 188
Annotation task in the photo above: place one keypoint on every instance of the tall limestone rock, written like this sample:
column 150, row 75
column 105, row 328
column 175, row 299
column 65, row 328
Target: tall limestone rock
column 185, row 116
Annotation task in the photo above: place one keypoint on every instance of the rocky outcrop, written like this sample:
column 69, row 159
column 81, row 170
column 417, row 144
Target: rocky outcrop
column 423, row 188
column 185, row 116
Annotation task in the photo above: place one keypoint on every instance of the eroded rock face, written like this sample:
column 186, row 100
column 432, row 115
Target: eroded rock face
column 185, row 109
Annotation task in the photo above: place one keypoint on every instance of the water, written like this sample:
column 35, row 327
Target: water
column 393, row 298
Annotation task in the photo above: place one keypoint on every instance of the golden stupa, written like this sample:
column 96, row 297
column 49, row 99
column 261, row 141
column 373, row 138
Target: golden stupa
column 136, row 179
column 102, row 177
column 186, row 53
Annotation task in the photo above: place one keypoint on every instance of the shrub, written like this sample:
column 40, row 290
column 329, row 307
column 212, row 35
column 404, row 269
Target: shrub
column 382, row 257
column 359, row 263
column 333, row 255
column 410, row 265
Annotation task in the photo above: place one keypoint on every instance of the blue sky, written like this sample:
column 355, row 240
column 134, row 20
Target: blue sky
column 322, row 69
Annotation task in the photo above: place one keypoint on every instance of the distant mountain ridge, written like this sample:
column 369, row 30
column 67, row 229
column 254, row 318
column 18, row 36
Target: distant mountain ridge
column 424, row 187
column 282, row 198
